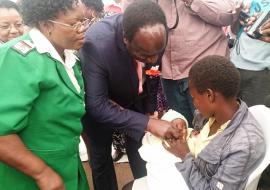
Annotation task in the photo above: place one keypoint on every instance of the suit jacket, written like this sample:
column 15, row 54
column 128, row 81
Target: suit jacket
column 110, row 74
column 40, row 104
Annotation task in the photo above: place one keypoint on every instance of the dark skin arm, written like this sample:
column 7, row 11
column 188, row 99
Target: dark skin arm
column 165, row 129
column 160, row 128
column 178, row 147
column 14, row 153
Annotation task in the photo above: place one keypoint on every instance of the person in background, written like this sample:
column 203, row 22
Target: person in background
column 252, row 58
column 11, row 24
column 42, row 100
column 113, row 6
column 94, row 9
column 116, row 95
column 195, row 31
column 95, row 12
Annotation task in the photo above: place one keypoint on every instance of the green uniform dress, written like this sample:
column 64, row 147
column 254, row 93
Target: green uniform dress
column 39, row 103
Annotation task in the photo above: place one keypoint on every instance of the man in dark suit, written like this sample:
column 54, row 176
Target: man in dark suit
column 115, row 98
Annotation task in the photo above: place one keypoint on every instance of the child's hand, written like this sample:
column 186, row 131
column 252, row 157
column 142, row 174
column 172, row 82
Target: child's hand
column 177, row 147
column 181, row 125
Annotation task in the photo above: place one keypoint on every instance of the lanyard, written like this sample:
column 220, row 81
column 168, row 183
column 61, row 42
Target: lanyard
column 177, row 16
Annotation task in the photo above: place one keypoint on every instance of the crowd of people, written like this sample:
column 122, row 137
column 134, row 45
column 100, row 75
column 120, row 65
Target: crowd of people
column 108, row 73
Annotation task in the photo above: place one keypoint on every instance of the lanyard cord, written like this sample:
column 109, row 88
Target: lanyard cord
column 177, row 16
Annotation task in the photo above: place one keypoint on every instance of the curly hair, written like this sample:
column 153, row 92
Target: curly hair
column 8, row 5
column 140, row 14
column 34, row 11
column 216, row 73
column 97, row 5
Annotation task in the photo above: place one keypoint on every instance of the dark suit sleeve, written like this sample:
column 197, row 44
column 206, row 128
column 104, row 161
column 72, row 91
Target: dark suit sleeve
column 98, row 105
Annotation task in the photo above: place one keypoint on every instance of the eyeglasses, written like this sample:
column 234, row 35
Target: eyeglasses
column 77, row 26
column 7, row 27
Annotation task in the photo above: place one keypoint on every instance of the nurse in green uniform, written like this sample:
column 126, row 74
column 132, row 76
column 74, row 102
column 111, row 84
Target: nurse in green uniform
column 42, row 100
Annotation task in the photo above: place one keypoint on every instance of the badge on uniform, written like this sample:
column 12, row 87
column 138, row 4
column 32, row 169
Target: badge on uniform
column 23, row 47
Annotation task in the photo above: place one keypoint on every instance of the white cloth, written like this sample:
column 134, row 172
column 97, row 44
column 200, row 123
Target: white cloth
column 83, row 150
column 162, row 173
column 43, row 45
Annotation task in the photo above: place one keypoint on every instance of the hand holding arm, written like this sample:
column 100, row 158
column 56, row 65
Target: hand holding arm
column 178, row 147
column 164, row 129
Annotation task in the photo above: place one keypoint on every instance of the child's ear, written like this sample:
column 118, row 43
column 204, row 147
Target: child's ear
column 125, row 40
column 210, row 95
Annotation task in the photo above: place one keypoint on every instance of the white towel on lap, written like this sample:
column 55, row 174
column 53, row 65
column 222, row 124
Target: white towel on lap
column 161, row 171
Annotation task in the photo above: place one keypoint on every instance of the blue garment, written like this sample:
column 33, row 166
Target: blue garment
column 178, row 97
column 252, row 58
column 252, row 54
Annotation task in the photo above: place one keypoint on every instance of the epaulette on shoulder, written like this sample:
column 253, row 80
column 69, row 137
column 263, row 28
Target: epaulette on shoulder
column 24, row 47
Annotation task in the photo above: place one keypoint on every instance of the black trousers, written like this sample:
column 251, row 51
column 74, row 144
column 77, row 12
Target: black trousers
column 255, row 86
column 103, row 173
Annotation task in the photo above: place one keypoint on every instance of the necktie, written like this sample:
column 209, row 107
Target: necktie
column 138, row 66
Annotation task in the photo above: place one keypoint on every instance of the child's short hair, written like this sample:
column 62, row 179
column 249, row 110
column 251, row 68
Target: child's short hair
column 216, row 73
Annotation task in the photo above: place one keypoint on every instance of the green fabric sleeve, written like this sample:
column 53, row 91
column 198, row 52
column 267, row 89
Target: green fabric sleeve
column 19, row 87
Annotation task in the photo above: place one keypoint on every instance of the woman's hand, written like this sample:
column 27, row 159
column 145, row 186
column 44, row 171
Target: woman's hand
column 12, row 150
column 49, row 180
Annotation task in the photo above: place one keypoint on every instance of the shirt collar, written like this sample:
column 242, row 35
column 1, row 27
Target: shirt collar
column 43, row 45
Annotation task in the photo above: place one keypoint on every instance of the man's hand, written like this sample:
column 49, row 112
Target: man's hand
column 250, row 21
column 265, row 31
column 49, row 180
column 163, row 129
column 238, row 7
